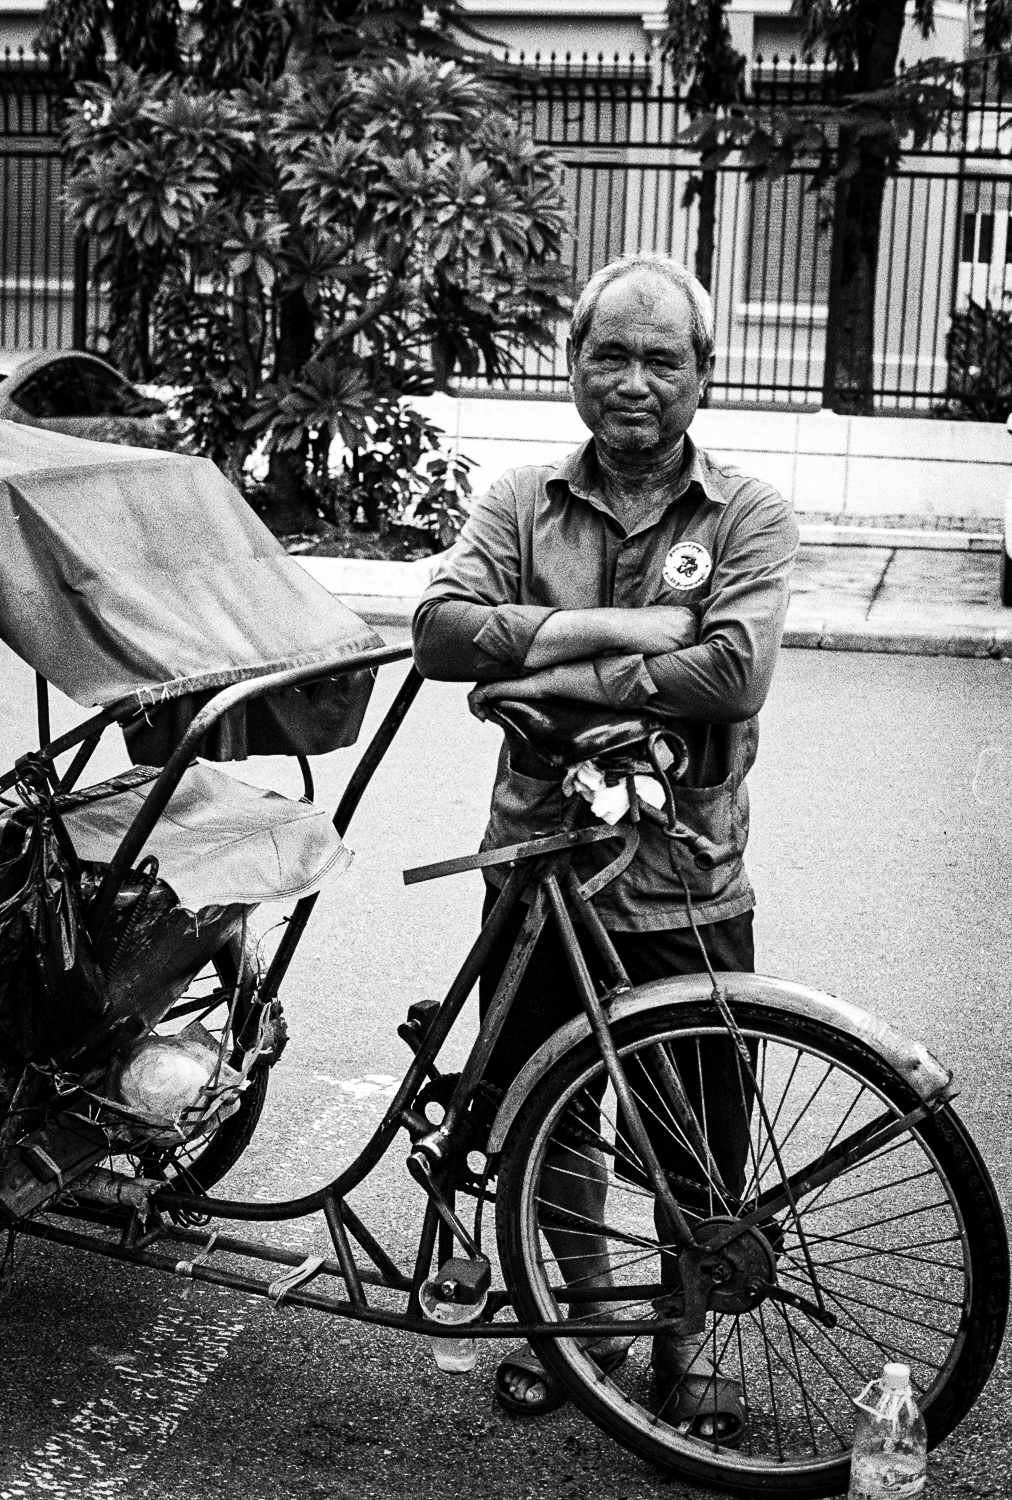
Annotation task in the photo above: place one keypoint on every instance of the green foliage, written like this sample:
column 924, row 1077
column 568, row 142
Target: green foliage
column 978, row 351
column 304, row 225
column 868, row 109
column 74, row 36
column 698, row 47
column 396, row 470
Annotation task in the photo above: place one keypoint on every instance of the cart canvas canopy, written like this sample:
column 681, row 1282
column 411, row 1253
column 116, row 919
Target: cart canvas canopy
column 130, row 573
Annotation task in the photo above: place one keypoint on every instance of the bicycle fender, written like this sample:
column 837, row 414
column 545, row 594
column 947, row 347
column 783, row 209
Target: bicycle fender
column 913, row 1062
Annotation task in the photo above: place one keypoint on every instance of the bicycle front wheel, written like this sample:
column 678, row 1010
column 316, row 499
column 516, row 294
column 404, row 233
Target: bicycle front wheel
column 904, row 1250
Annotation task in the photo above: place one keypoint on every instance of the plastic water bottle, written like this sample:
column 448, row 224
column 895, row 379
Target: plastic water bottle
column 890, row 1440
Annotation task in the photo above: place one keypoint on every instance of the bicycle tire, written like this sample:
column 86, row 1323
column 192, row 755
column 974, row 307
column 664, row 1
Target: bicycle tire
column 620, row 1403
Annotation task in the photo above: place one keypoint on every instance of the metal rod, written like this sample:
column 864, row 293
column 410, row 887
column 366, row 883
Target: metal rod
column 42, row 709
column 423, row 1257
column 345, row 1259
column 495, row 1017
column 377, row 747
column 376, row 1146
column 285, row 951
column 372, row 1247
column 599, row 934
column 510, row 853
column 169, row 778
column 228, row 1244
column 116, row 714
column 72, row 774
column 376, row 1316
column 677, row 1225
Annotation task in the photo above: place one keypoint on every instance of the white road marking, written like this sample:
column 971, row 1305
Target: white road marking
column 383, row 1084
column 104, row 1446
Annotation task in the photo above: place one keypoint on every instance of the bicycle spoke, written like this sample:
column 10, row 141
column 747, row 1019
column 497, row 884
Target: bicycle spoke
column 793, row 1333
column 908, row 1213
column 894, row 1286
column 921, row 1260
column 761, row 1323
column 801, row 1114
column 882, row 1187
column 886, row 1349
column 890, row 1311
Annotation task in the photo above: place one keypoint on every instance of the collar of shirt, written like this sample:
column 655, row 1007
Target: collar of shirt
column 580, row 476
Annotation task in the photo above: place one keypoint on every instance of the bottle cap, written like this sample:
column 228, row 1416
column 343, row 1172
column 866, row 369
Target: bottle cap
column 896, row 1377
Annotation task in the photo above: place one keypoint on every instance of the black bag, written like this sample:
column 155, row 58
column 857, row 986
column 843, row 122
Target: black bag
column 52, row 990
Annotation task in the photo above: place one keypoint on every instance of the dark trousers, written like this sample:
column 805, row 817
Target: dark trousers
column 711, row 1073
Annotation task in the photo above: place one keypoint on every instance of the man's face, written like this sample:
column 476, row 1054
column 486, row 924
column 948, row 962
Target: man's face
column 635, row 381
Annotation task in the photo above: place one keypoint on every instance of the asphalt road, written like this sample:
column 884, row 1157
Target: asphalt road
column 881, row 877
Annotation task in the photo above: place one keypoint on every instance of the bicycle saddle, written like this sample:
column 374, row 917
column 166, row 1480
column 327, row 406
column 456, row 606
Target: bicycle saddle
column 563, row 732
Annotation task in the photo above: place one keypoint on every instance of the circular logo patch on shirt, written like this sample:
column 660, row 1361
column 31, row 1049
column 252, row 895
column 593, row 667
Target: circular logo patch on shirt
column 687, row 565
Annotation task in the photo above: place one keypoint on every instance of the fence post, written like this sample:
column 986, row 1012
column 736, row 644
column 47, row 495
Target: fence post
column 79, row 318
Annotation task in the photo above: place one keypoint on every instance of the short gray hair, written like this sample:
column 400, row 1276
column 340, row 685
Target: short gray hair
column 666, row 269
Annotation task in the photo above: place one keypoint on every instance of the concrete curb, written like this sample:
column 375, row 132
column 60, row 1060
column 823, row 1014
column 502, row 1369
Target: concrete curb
column 824, row 635
column 885, row 536
column 388, row 594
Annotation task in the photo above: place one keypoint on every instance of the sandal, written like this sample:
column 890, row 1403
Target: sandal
column 702, row 1404
column 524, row 1360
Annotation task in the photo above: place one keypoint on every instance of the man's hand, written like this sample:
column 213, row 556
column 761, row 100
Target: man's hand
column 571, row 635
column 576, row 679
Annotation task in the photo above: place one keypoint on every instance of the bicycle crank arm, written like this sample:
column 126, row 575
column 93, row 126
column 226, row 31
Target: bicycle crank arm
column 421, row 1171
column 780, row 1294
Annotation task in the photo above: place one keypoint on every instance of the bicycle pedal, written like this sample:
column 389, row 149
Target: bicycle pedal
column 415, row 1029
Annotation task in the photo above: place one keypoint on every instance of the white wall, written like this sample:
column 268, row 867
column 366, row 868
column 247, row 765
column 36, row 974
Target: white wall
column 883, row 466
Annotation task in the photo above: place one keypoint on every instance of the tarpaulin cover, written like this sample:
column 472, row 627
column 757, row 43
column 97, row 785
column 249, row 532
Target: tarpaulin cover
column 219, row 841
column 128, row 572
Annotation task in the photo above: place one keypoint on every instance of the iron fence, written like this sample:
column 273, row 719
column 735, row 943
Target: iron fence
column 43, row 273
column 631, row 181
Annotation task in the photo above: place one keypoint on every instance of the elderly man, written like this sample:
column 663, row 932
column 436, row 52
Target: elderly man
column 636, row 574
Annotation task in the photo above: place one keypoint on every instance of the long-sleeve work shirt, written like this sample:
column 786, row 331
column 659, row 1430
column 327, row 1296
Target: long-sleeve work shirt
column 544, row 539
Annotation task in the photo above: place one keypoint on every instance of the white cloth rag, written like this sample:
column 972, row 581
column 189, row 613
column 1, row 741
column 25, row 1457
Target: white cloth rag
column 609, row 803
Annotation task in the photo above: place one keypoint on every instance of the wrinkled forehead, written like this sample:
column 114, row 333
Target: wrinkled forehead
column 641, row 297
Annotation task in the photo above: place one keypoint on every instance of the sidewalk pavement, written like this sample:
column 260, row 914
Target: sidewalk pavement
column 897, row 588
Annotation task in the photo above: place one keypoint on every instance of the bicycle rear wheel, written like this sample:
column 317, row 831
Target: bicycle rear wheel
column 907, row 1246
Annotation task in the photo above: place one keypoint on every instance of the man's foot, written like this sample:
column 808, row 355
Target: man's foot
column 524, row 1387
column 694, row 1395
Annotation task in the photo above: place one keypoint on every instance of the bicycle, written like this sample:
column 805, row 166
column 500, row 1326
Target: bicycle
column 866, row 1228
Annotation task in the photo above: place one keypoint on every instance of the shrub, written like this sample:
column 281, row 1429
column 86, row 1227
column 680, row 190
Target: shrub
column 298, row 255
column 978, row 351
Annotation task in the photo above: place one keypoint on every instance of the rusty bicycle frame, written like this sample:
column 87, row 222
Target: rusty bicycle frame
column 123, row 1206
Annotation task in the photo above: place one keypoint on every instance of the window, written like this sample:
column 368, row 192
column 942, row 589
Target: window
column 985, row 242
column 978, row 238
column 788, row 241
column 57, row 390
column 110, row 394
